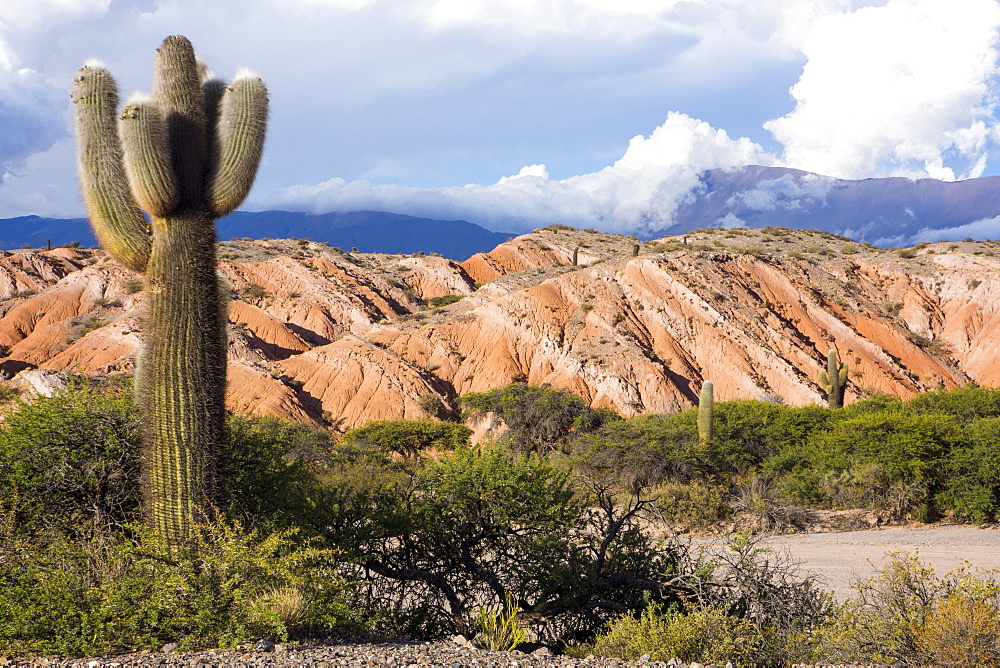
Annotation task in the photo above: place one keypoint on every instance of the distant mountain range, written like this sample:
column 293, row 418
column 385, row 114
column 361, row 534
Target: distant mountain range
column 884, row 212
column 369, row 231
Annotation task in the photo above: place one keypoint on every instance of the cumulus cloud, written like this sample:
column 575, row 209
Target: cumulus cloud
column 31, row 114
column 786, row 192
column 901, row 89
column 988, row 228
column 638, row 193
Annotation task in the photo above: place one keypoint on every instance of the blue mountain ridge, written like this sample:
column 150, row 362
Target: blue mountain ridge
column 368, row 231
column 883, row 211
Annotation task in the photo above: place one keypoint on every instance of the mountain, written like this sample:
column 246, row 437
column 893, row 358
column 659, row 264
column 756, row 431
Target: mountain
column 884, row 212
column 369, row 231
column 339, row 338
column 37, row 232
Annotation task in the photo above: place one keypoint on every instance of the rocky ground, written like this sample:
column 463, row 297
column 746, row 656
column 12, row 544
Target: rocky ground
column 445, row 654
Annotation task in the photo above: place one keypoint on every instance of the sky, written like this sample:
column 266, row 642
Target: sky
column 515, row 114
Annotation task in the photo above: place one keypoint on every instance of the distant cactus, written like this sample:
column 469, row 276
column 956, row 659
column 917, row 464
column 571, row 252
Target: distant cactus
column 635, row 250
column 576, row 256
column 706, row 412
column 187, row 155
column 834, row 379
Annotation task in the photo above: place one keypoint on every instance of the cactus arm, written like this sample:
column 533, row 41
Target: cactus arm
column 147, row 156
column 114, row 213
column 177, row 87
column 706, row 412
column 239, row 143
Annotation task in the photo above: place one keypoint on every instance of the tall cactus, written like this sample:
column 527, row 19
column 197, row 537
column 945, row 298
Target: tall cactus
column 834, row 379
column 706, row 412
column 187, row 155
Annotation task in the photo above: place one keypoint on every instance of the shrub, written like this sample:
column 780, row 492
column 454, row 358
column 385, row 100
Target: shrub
column 409, row 437
column 706, row 635
column 691, row 504
column 116, row 594
column 907, row 614
column 538, row 419
column 254, row 291
column 70, row 462
column 444, row 300
column 461, row 532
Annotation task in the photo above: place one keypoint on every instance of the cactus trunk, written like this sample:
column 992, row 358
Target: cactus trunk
column 183, row 380
column 706, row 412
column 167, row 159
column 834, row 379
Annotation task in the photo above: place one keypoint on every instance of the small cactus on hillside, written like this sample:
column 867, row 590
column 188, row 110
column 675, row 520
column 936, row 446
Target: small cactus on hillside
column 834, row 379
column 187, row 155
column 706, row 412
column 576, row 256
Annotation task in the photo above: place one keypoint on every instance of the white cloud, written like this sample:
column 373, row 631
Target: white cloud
column 988, row 228
column 638, row 193
column 901, row 89
column 787, row 192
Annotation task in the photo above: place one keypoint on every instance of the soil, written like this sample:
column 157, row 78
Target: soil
column 839, row 558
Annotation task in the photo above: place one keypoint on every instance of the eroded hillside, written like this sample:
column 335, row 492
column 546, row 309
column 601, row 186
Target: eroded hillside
column 340, row 338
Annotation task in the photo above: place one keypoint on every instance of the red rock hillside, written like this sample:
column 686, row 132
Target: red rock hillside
column 341, row 338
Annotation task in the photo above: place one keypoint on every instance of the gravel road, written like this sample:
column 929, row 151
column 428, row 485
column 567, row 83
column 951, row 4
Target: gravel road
column 839, row 558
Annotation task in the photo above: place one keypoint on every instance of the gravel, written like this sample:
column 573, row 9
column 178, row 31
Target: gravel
column 320, row 654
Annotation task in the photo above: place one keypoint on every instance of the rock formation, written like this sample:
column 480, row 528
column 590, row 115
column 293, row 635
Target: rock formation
column 342, row 338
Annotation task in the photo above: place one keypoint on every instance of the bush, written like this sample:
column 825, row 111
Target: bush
column 409, row 437
column 907, row 614
column 464, row 531
column 706, row 635
column 538, row 419
column 444, row 300
column 70, row 462
column 74, row 598
column 691, row 504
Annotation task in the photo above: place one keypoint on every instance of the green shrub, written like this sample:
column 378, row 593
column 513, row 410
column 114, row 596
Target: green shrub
column 691, row 504
column 70, row 462
column 444, row 300
column 706, row 635
column 907, row 614
column 409, row 437
column 74, row 598
column 461, row 532
column 538, row 419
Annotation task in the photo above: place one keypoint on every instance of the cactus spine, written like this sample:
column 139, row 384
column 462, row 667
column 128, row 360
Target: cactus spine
column 706, row 412
column 187, row 156
column 834, row 379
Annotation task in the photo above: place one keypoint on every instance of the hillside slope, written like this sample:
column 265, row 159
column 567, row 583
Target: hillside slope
column 342, row 338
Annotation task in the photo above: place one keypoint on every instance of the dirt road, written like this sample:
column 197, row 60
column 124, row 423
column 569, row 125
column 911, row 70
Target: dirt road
column 840, row 558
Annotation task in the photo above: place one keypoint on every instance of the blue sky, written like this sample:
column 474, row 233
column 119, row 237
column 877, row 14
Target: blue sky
column 520, row 113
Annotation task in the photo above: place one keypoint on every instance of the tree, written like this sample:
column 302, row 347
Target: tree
column 187, row 156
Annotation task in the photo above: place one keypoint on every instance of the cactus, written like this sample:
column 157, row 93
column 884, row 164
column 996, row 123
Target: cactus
column 834, row 379
column 706, row 412
column 635, row 250
column 187, row 155
column 576, row 256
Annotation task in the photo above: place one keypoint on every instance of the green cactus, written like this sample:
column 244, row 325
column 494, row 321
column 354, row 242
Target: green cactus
column 706, row 412
column 834, row 379
column 187, row 155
